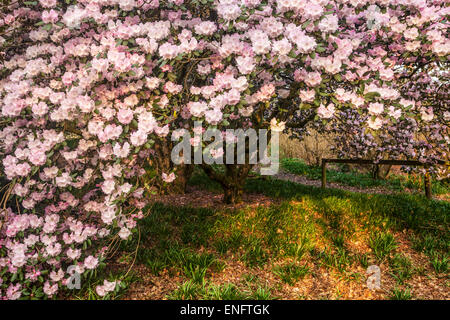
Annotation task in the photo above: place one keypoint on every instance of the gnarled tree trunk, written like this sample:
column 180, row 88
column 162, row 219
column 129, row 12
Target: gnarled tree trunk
column 232, row 180
column 161, row 160
column 380, row 172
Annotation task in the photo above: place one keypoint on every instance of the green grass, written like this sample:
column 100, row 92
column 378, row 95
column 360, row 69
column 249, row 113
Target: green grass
column 362, row 180
column 399, row 294
column 291, row 272
column 340, row 259
column 254, row 254
column 227, row 291
column 395, row 211
column 363, row 259
column 195, row 242
column 187, row 291
column 191, row 290
column 382, row 245
column 164, row 245
column 440, row 262
column 401, row 268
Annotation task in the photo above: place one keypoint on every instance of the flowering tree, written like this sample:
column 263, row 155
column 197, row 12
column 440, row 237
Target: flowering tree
column 417, row 131
column 90, row 89
column 348, row 66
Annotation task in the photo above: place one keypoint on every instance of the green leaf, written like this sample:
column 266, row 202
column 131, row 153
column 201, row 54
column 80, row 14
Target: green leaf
column 47, row 27
column 371, row 95
column 320, row 49
column 338, row 77
column 306, row 24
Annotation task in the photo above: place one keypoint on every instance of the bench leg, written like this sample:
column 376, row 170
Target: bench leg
column 324, row 174
column 427, row 181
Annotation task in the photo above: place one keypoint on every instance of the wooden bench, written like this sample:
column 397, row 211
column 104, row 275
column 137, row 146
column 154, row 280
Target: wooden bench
column 427, row 178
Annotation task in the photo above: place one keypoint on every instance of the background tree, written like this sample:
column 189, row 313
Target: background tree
column 89, row 89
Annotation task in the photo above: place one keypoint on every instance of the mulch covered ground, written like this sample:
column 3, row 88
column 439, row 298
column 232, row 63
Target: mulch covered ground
column 321, row 283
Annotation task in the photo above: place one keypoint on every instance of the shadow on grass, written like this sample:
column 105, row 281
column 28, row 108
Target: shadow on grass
column 195, row 242
column 413, row 212
column 428, row 219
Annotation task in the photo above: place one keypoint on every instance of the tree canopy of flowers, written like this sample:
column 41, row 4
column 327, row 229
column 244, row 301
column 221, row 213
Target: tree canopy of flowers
column 418, row 132
column 89, row 87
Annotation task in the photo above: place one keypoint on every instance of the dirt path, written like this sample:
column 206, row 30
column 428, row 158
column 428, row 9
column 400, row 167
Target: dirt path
column 282, row 175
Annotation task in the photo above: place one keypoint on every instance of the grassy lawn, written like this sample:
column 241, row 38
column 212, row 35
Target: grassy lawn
column 363, row 180
column 306, row 243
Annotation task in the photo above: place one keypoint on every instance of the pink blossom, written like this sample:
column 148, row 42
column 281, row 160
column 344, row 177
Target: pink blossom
column 168, row 177
column 50, row 16
column 326, row 112
column 91, row 262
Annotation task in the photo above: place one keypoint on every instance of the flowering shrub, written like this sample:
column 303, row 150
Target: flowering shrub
column 418, row 128
column 88, row 87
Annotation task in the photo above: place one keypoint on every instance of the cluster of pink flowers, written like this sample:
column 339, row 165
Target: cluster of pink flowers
column 93, row 84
